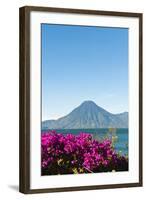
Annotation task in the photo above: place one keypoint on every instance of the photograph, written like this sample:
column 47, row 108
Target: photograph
column 84, row 99
column 80, row 99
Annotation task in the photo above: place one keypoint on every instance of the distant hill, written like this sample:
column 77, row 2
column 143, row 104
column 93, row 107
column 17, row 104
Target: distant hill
column 88, row 115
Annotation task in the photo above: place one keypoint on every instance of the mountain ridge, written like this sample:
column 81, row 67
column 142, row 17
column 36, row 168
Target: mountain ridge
column 88, row 115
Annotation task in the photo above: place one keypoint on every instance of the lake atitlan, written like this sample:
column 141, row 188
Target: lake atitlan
column 118, row 136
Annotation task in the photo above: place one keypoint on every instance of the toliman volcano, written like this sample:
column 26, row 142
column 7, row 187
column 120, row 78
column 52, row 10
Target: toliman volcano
column 86, row 116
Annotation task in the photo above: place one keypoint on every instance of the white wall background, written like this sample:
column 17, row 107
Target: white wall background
column 9, row 98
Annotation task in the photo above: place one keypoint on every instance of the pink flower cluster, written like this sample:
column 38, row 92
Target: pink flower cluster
column 73, row 154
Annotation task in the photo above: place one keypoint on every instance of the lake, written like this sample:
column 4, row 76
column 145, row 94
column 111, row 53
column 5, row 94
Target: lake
column 118, row 136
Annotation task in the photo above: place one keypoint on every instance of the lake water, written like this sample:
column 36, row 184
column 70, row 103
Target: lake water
column 119, row 136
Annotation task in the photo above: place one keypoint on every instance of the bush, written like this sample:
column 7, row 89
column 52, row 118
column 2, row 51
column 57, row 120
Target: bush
column 70, row 154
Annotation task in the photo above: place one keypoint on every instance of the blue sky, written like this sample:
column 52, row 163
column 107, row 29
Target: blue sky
column 83, row 63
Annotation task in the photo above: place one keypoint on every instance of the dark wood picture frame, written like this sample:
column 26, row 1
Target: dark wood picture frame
column 24, row 136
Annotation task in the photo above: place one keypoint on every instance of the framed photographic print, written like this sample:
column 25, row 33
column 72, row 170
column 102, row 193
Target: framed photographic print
column 80, row 99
